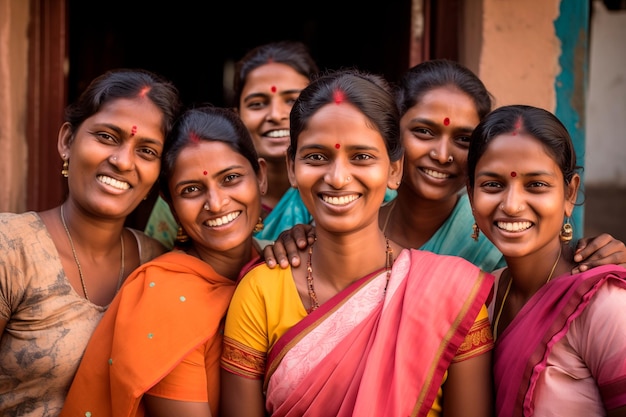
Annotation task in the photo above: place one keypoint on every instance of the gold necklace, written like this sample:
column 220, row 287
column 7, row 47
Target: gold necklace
column 309, row 274
column 508, row 288
column 80, row 270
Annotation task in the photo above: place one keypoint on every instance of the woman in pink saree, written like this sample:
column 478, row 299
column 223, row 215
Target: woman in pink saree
column 364, row 327
column 560, row 345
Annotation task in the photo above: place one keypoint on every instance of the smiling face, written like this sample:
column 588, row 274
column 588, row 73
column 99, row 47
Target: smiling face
column 266, row 100
column 228, row 185
column 342, row 168
column 519, row 196
column 434, row 131
column 114, row 156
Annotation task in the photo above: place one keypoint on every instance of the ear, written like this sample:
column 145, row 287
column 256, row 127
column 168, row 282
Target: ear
column 571, row 193
column 395, row 173
column 64, row 140
column 291, row 171
column 262, row 176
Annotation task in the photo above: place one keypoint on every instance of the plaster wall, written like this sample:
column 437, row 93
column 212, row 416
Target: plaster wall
column 606, row 101
column 13, row 88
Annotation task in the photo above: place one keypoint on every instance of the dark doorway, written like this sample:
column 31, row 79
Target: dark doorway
column 190, row 42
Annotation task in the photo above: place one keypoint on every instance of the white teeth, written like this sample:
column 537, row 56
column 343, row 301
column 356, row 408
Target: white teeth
column 278, row 133
column 223, row 220
column 514, row 226
column 340, row 201
column 120, row 185
column 436, row 174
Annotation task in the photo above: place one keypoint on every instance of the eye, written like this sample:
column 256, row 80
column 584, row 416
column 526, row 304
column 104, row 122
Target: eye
column 189, row 189
column 231, row 177
column 105, row 137
column 314, row 157
column 149, row 154
column 422, row 133
column 538, row 184
column 363, row 157
column 463, row 141
column 492, row 186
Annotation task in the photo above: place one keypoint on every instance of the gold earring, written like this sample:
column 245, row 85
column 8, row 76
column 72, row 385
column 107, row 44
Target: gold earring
column 65, row 171
column 567, row 231
column 259, row 226
column 181, row 236
column 476, row 232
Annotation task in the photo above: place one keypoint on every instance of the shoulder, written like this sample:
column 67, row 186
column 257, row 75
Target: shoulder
column 149, row 248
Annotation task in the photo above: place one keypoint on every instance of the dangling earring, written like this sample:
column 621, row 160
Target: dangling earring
column 567, row 231
column 65, row 171
column 475, row 232
column 259, row 226
column 181, row 236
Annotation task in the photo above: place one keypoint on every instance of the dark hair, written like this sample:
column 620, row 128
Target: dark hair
column 206, row 123
column 436, row 73
column 536, row 122
column 370, row 93
column 126, row 84
column 292, row 53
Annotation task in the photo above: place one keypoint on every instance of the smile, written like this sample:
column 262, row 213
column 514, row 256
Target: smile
column 221, row 221
column 120, row 185
column 514, row 226
column 277, row 133
column 340, row 201
column 436, row 174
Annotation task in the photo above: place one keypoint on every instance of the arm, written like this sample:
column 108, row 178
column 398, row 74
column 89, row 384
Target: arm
column 163, row 407
column 241, row 396
column 468, row 390
column 287, row 245
column 600, row 250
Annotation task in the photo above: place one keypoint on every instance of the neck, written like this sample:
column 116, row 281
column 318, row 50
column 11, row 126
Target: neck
column 412, row 222
column 227, row 263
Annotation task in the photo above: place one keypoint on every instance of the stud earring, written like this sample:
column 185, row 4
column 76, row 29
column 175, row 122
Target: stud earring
column 259, row 226
column 475, row 232
column 567, row 231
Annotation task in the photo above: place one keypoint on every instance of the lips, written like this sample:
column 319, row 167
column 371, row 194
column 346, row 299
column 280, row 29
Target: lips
column 120, row 185
column 436, row 174
column 514, row 226
column 221, row 221
column 341, row 200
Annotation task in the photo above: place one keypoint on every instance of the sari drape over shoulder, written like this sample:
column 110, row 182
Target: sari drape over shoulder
column 165, row 310
column 529, row 354
column 371, row 351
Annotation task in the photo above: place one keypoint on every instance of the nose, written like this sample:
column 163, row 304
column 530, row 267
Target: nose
column 441, row 152
column 338, row 174
column 513, row 202
column 277, row 110
column 216, row 199
column 123, row 158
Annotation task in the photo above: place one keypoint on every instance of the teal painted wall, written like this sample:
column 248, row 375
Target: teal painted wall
column 572, row 29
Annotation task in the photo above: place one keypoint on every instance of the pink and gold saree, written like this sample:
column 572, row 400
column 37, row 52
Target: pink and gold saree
column 371, row 351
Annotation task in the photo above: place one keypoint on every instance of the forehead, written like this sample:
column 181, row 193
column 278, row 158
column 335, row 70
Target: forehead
column 282, row 76
column 444, row 102
column 139, row 112
column 203, row 156
column 521, row 153
column 341, row 123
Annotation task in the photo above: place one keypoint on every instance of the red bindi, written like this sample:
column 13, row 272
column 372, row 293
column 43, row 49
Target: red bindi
column 337, row 146
column 133, row 130
column 204, row 172
column 446, row 121
column 194, row 138
column 513, row 174
column 339, row 97
column 273, row 88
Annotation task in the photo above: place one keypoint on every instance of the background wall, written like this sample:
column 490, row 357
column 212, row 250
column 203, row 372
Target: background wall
column 606, row 102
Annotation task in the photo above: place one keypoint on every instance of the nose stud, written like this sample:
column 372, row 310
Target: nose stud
column 206, row 206
column 450, row 159
column 348, row 178
column 520, row 208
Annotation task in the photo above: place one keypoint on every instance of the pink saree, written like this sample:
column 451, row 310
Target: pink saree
column 374, row 352
column 521, row 352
